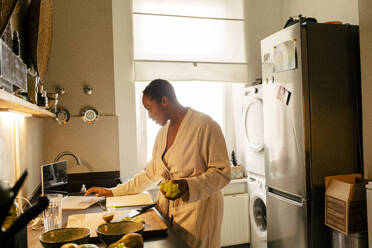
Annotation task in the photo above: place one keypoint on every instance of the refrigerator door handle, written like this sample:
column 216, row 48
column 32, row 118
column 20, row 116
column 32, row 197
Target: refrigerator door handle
column 296, row 203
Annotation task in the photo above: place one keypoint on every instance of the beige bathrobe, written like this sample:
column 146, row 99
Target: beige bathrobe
column 198, row 155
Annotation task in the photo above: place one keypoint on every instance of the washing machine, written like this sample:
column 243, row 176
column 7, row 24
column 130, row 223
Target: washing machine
column 257, row 210
column 252, row 130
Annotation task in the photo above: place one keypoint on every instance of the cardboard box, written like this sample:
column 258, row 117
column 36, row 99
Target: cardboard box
column 345, row 203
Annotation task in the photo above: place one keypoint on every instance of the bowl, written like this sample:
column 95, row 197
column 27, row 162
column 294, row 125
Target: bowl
column 58, row 237
column 111, row 232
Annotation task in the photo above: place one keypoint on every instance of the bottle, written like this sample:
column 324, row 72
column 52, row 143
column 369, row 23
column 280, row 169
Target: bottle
column 16, row 43
column 45, row 99
column 42, row 99
column 83, row 188
column 40, row 89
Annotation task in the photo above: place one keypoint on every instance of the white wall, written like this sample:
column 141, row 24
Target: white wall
column 21, row 142
column 365, row 19
column 92, row 45
column 7, row 151
column 262, row 19
column 125, row 101
column 31, row 154
column 82, row 54
column 323, row 10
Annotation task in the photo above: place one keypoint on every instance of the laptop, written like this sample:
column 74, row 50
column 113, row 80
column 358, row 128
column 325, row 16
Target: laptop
column 54, row 180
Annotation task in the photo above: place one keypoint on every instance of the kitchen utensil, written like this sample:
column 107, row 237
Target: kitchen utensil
column 58, row 237
column 233, row 158
column 134, row 213
column 112, row 232
column 293, row 20
column 30, row 213
column 39, row 32
column 154, row 225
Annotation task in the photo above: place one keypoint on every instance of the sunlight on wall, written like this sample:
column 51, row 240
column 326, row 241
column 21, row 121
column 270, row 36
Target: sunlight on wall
column 10, row 125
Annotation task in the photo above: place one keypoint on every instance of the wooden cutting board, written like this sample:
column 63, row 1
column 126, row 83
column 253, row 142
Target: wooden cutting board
column 129, row 200
column 154, row 225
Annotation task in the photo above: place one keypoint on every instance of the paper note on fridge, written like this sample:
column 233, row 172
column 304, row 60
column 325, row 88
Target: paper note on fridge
column 129, row 200
column 285, row 56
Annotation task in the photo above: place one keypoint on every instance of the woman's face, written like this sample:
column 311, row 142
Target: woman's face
column 156, row 111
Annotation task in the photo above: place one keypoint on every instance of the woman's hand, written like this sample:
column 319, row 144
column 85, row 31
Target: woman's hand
column 98, row 191
column 182, row 186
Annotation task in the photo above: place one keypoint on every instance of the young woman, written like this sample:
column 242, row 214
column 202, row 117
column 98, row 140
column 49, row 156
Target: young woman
column 190, row 150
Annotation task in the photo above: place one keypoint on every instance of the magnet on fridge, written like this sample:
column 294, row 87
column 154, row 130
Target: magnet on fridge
column 284, row 95
column 266, row 58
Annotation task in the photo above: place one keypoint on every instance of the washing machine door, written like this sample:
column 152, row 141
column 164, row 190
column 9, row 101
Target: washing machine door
column 253, row 124
column 257, row 212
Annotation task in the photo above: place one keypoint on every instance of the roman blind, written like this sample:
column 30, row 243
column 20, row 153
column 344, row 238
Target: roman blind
column 189, row 40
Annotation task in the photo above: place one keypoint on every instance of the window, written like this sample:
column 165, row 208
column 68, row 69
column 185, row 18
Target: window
column 198, row 46
column 189, row 40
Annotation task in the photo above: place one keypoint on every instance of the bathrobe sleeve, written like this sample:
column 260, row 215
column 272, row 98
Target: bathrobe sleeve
column 214, row 153
column 143, row 180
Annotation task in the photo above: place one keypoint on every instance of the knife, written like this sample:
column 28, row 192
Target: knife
column 134, row 213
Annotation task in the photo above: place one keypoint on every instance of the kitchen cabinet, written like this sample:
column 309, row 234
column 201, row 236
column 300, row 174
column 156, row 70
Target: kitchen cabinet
column 9, row 102
column 235, row 224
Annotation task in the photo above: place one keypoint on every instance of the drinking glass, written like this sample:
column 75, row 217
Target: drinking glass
column 53, row 214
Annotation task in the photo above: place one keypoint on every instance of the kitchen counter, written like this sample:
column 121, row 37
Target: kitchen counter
column 170, row 240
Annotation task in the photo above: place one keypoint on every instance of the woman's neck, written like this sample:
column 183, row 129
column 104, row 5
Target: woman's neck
column 177, row 115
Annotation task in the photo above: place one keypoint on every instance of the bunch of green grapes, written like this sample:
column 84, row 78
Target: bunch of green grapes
column 120, row 245
column 170, row 189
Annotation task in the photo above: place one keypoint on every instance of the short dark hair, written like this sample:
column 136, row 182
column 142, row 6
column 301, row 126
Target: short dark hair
column 158, row 88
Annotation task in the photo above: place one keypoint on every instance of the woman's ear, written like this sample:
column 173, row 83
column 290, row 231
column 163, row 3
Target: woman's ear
column 164, row 100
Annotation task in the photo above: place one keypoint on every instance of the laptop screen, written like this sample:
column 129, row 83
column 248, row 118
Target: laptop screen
column 54, row 177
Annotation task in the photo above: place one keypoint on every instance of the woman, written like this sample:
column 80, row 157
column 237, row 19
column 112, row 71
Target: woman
column 190, row 150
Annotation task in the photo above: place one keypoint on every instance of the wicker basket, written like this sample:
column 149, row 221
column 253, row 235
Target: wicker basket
column 237, row 172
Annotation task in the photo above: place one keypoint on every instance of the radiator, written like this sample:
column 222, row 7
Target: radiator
column 235, row 224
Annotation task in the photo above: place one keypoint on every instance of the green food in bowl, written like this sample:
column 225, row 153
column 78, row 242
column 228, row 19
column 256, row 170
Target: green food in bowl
column 58, row 237
column 111, row 232
column 87, row 246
